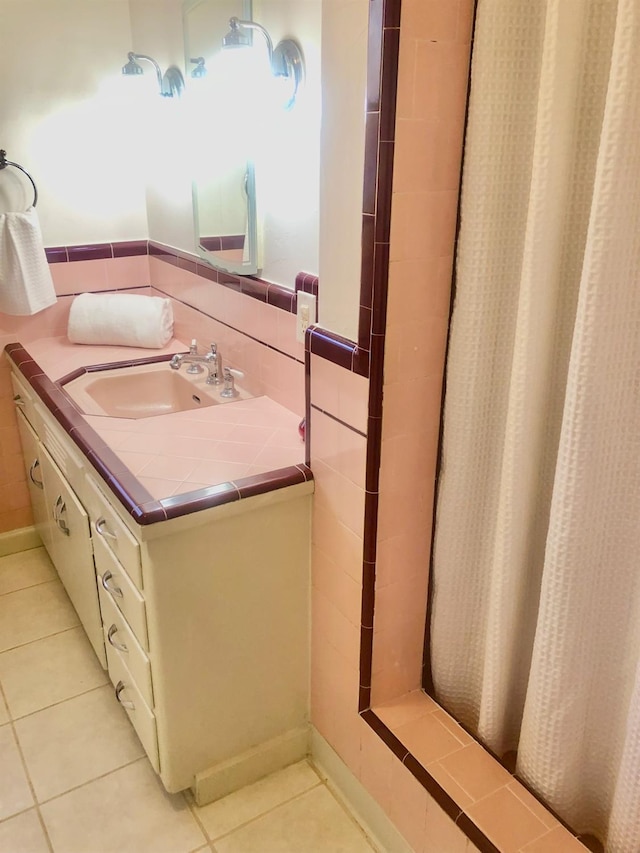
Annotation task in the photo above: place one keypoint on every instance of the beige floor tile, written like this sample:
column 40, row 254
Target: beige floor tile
column 230, row 812
column 28, row 568
column 4, row 713
column 33, row 613
column 313, row 823
column 48, row 671
column 23, row 834
column 76, row 741
column 15, row 794
column 127, row 811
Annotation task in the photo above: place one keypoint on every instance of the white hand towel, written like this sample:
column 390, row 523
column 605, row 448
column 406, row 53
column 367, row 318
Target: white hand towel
column 26, row 286
column 121, row 319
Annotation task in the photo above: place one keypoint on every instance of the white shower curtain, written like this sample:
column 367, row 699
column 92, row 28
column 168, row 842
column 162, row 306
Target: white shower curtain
column 535, row 627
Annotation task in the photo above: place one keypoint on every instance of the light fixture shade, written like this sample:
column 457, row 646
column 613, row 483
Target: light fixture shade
column 132, row 67
column 237, row 36
column 200, row 69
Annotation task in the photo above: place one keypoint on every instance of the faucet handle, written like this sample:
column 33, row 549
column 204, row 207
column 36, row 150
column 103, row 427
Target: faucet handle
column 214, row 348
column 193, row 349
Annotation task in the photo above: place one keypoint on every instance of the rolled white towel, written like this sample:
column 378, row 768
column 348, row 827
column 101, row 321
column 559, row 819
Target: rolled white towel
column 120, row 319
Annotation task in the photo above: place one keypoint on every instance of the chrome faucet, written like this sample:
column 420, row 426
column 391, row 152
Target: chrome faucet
column 197, row 363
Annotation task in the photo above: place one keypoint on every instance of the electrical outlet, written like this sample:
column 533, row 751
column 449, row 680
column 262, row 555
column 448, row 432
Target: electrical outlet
column 306, row 313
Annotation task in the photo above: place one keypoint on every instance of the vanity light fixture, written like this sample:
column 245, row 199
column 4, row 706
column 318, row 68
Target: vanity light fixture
column 286, row 58
column 200, row 69
column 171, row 83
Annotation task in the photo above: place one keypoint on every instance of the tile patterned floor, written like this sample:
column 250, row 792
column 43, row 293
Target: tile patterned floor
column 73, row 775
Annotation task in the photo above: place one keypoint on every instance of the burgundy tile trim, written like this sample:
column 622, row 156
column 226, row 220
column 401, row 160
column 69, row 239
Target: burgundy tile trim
column 377, row 365
column 380, row 288
column 364, row 699
column 307, row 282
column 365, row 323
column 229, row 280
column 130, row 248
column 307, row 402
column 95, row 252
column 469, row 828
column 370, row 542
column 57, row 255
column 281, row 297
column 372, row 470
column 385, row 182
column 159, row 250
column 260, row 483
column 368, row 587
column 188, row 265
column 427, row 781
column 149, row 513
column 394, row 744
column 255, row 288
column 389, row 94
column 366, row 656
column 392, row 13
column 374, row 54
column 110, row 365
column 189, row 502
column 205, row 271
column 31, row 369
column 371, row 163
column 306, row 472
column 333, row 347
column 273, row 294
column 361, row 362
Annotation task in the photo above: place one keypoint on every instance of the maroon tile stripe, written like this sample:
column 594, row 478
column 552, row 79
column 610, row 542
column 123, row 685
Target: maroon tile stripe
column 273, row 294
column 136, row 500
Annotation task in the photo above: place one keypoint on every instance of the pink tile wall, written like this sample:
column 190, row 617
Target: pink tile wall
column 433, row 74
column 434, row 54
column 338, row 462
column 252, row 336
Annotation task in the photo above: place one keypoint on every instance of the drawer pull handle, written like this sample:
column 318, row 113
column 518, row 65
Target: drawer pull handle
column 101, row 528
column 119, row 646
column 120, row 686
column 113, row 590
column 32, row 469
column 59, row 508
column 17, row 399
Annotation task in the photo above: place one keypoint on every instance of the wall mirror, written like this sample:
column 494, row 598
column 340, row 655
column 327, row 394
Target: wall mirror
column 224, row 182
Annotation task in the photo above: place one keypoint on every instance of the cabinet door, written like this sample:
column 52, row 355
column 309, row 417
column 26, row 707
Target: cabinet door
column 31, row 449
column 72, row 553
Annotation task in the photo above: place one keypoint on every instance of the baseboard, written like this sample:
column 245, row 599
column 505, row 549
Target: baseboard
column 254, row 764
column 19, row 540
column 354, row 796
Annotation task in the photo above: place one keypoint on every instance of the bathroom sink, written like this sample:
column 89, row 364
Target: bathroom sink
column 144, row 391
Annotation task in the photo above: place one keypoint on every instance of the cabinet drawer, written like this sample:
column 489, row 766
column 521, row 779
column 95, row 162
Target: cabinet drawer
column 120, row 637
column 139, row 713
column 23, row 399
column 111, row 530
column 114, row 582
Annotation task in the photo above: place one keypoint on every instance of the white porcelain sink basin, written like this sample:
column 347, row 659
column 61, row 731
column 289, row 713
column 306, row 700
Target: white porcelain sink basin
column 145, row 391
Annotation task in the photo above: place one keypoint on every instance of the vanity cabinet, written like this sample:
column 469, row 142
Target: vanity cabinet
column 202, row 620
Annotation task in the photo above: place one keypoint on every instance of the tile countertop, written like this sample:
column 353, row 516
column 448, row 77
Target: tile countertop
column 170, row 465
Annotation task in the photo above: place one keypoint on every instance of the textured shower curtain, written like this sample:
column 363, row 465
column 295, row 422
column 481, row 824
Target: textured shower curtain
column 535, row 627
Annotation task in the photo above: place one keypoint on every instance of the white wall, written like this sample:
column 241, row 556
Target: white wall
column 63, row 117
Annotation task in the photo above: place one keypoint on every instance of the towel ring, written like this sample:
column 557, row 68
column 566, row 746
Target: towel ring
column 4, row 163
